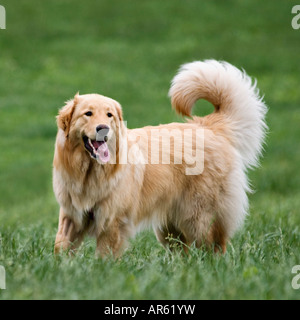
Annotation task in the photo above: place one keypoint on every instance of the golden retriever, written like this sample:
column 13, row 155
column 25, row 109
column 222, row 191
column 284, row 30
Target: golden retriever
column 186, row 180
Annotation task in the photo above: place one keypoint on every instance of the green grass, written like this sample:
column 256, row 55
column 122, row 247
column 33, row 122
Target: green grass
column 130, row 50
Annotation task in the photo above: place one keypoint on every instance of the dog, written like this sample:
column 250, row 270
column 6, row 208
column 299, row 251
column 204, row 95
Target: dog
column 111, row 181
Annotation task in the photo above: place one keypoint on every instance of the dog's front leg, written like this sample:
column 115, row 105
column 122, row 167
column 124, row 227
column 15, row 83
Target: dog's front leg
column 67, row 238
column 112, row 241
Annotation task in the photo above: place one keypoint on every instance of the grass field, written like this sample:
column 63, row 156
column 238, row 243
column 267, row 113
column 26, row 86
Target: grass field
column 130, row 50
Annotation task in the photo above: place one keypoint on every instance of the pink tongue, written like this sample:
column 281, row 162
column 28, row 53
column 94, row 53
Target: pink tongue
column 103, row 152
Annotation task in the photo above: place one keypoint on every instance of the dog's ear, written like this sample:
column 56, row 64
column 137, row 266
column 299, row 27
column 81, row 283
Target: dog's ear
column 119, row 111
column 65, row 114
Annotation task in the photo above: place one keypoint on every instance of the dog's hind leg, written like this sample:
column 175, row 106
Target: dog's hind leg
column 67, row 237
column 170, row 236
column 206, row 232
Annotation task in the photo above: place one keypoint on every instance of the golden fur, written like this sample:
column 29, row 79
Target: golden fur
column 113, row 200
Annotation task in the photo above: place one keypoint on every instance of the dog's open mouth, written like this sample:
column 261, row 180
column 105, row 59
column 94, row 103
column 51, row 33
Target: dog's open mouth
column 97, row 149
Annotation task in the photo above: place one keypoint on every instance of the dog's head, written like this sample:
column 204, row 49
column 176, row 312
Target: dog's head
column 94, row 122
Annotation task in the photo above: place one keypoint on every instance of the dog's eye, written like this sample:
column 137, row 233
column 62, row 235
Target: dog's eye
column 109, row 115
column 89, row 113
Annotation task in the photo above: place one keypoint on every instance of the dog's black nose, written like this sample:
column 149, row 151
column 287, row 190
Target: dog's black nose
column 103, row 127
column 102, row 132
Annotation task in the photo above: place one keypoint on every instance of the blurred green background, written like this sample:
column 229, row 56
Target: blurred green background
column 130, row 50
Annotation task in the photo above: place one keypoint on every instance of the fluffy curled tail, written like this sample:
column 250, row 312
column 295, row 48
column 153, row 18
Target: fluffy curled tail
column 232, row 93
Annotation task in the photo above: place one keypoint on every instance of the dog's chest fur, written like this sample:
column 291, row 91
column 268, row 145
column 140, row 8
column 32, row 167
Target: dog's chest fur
column 84, row 189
